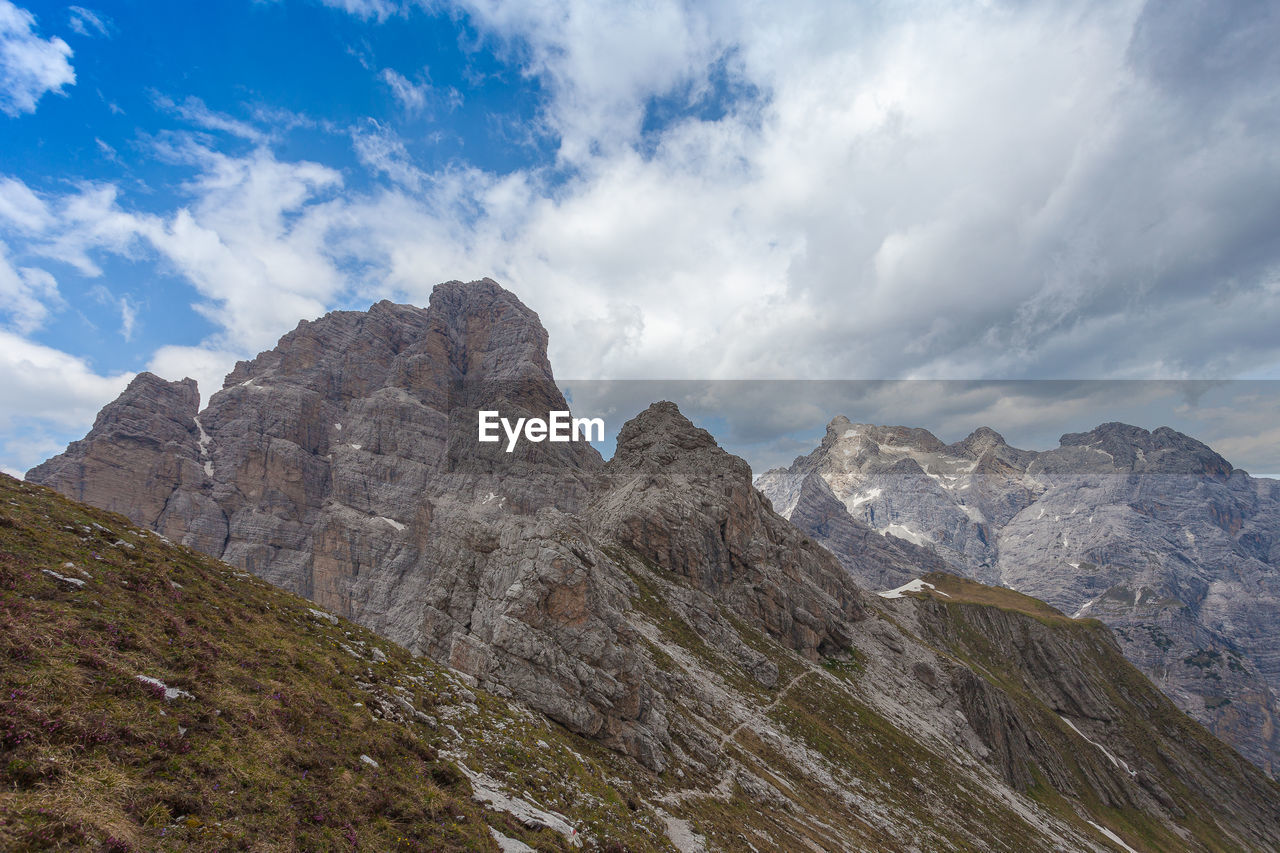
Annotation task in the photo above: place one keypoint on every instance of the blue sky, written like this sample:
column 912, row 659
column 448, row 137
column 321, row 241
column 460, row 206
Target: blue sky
column 682, row 190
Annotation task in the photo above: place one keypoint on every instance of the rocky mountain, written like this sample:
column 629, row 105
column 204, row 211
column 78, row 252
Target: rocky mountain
column 719, row 669
column 1152, row 532
column 204, row 709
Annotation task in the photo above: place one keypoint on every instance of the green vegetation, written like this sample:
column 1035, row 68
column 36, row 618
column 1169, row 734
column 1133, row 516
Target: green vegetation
column 958, row 589
column 286, row 734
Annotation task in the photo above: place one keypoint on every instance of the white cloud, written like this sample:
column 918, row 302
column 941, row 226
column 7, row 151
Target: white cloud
column 982, row 190
column 124, row 304
column 23, row 208
column 45, row 384
column 378, row 10
column 208, row 367
column 254, row 244
column 412, row 96
column 47, row 398
column 26, row 294
column 86, row 22
column 29, row 65
column 383, row 152
column 195, row 111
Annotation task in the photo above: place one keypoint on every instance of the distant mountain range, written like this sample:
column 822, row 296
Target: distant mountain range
column 750, row 691
column 1152, row 532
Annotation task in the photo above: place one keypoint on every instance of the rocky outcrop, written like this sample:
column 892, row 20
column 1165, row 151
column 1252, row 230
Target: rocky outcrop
column 142, row 444
column 1152, row 532
column 345, row 465
column 688, row 507
column 977, row 719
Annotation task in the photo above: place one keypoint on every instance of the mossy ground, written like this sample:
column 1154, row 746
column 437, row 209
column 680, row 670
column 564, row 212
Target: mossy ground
column 267, row 751
column 266, row 754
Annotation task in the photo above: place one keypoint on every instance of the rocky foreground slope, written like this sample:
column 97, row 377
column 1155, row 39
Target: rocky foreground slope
column 1152, row 532
column 750, row 694
column 156, row 699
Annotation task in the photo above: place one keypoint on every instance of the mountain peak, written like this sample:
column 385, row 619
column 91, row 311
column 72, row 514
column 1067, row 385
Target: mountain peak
column 841, row 427
column 982, row 440
column 1164, row 450
column 661, row 438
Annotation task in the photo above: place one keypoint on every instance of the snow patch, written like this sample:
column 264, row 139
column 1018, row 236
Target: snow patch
column 1083, row 608
column 397, row 525
column 1116, row 761
column 916, row 585
column 204, row 441
column 904, row 532
column 1108, row 833
column 870, row 494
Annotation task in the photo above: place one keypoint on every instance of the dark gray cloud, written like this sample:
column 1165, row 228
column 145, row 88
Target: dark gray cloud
column 770, row 422
column 1047, row 190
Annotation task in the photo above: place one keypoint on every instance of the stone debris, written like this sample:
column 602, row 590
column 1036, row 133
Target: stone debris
column 170, row 693
column 74, row 583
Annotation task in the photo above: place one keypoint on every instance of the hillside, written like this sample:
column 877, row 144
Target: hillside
column 154, row 698
column 273, row 705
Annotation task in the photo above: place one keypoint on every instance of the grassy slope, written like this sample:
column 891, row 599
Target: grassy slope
column 1148, row 717
column 266, row 755
column 932, row 799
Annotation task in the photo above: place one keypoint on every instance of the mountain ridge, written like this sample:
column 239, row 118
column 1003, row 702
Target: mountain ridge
column 1153, row 531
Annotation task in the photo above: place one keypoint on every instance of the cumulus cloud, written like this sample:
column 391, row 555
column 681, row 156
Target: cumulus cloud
column 26, row 294
column 44, row 385
column 29, row 65
column 949, row 190
column 48, row 397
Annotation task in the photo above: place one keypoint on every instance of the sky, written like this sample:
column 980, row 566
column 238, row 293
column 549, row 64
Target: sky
column 716, row 190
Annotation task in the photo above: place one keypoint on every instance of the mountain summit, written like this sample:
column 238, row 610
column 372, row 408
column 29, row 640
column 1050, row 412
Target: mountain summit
column 1151, row 531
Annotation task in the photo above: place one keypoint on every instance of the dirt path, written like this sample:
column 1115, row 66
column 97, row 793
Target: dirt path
column 764, row 712
column 725, row 787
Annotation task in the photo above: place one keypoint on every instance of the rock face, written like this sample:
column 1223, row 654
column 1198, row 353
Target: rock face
column 344, row 465
column 679, row 501
column 1152, row 532
column 141, row 446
